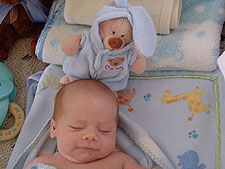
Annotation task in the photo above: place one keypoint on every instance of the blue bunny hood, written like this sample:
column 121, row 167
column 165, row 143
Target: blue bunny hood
column 144, row 34
column 107, row 12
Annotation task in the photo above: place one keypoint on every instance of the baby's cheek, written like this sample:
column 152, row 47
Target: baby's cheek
column 72, row 138
column 110, row 142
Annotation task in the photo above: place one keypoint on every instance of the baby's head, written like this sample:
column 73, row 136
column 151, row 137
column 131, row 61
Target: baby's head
column 84, row 121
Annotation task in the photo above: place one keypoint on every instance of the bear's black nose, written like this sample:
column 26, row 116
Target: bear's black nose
column 115, row 43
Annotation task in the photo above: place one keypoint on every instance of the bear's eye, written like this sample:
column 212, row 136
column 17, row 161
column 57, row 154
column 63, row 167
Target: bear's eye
column 113, row 32
column 122, row 35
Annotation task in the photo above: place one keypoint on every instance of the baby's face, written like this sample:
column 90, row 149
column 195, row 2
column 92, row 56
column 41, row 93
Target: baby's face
column 87, row 129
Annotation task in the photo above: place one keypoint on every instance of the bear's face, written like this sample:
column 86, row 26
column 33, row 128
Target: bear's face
column 115, row 33
column 114, row 62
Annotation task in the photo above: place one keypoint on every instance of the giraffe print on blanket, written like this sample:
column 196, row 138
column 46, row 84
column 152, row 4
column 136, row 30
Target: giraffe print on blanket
column 194, row 101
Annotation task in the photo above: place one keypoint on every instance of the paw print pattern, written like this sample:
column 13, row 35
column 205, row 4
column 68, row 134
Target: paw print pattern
column 147, row 97
column 193, row 134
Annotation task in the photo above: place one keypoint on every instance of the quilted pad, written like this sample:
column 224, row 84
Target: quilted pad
column 181, row 113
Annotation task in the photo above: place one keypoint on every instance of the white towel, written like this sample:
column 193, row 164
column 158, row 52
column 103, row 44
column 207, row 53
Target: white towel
column 165, row 13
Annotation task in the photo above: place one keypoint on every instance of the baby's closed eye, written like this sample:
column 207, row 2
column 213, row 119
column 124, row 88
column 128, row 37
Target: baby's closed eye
column 106, row 129
column 76, row 127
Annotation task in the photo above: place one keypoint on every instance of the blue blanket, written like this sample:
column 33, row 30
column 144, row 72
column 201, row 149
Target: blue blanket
column 184, row 114
column 39, row 141
column 173, row 119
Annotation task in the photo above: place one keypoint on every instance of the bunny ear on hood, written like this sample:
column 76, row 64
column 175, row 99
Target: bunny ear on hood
column 144, row 33
column 121, row 3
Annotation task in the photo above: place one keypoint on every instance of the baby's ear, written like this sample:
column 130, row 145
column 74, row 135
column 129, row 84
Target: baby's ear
column 53, row 129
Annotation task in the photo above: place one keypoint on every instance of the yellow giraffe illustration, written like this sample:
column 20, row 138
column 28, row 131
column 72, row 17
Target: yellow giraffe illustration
column 194, row 101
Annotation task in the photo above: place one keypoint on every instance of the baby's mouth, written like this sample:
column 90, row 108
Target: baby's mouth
column 88, row 148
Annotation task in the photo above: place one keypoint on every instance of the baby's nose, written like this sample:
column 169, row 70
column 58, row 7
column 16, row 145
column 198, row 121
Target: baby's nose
column 90, row 136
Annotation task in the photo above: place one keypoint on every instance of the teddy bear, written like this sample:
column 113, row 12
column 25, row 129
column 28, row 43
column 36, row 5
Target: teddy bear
column 121, row 36
column 21, row 18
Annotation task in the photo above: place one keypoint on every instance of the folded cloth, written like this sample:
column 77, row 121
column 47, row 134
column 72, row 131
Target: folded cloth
column 165, row 13
column 194, row 45
column 32, row 83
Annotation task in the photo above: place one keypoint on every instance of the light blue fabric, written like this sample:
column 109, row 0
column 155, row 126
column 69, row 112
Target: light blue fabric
column 37, row 121
column 129, row 147
column 141, row 139
column 42, row 166
column 92, row 60
column 32, row 82
column 180, row 133
column 35, row 10
column 153, row 131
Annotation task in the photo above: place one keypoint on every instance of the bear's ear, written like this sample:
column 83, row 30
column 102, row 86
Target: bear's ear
column 110, row 60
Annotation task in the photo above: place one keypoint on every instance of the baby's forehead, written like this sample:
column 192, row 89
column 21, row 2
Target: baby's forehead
column 84, row 91
column 75, row 94
column 89, row 89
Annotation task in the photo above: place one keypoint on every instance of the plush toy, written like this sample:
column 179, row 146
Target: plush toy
column 121, row 36
column 21, row 18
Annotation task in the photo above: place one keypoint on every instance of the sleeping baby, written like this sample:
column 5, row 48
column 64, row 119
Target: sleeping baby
column 84, row 124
